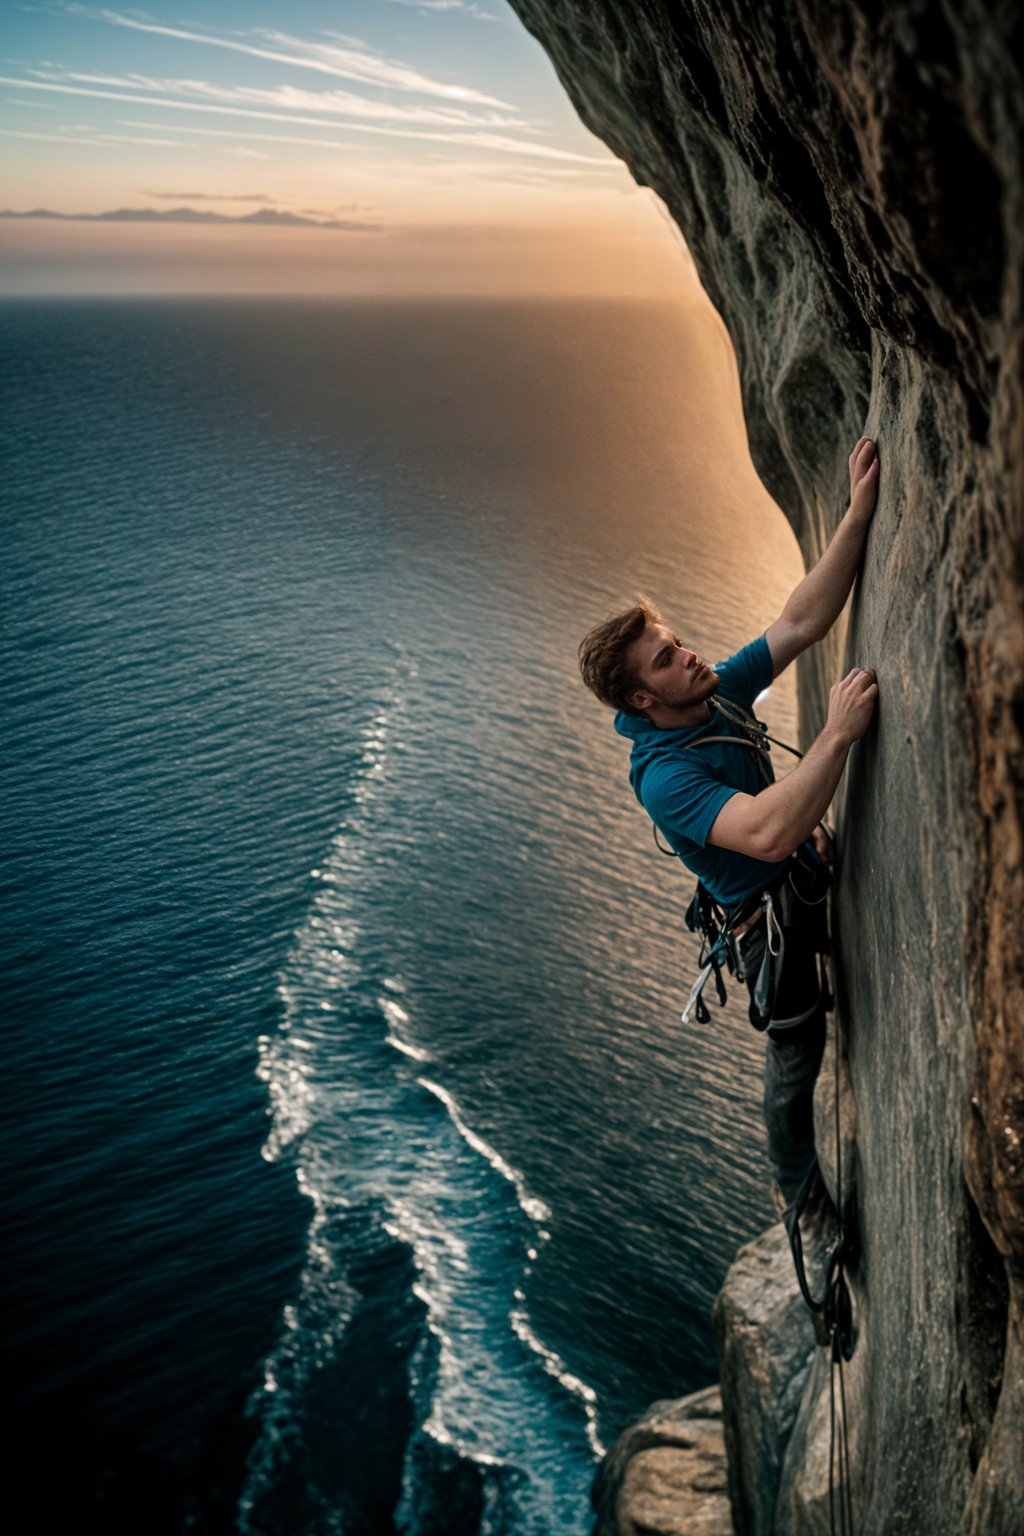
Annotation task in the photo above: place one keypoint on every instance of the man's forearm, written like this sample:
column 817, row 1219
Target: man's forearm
column 790, row 810
column 770, row 825
column 817, row 602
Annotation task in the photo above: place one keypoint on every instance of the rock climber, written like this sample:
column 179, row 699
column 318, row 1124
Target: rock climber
column 758, row 847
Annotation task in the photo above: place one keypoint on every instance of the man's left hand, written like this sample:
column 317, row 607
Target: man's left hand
column 864, row 479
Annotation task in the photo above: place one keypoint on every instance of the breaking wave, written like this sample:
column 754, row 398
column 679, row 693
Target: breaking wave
column 408, row 1337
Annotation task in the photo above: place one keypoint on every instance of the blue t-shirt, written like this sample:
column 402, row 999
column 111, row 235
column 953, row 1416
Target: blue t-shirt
column 683, row 791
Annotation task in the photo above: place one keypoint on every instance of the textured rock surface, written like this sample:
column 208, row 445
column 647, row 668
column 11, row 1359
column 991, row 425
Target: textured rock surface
column 666, row 1475
column 848, row 180
column 765, row 1343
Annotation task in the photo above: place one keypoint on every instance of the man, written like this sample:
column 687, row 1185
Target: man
column 716, row 802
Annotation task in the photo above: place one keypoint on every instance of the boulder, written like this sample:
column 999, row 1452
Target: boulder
column 666, row 1474
column 765, row 1343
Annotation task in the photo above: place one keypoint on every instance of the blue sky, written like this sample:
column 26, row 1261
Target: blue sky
column 396, row 116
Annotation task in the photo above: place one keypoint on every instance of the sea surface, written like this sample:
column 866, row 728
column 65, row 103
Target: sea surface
column 360, row 1177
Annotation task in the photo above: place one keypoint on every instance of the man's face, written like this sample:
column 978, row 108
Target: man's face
column 670, row 674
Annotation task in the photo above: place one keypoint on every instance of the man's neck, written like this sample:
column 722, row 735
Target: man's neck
column 668, row 719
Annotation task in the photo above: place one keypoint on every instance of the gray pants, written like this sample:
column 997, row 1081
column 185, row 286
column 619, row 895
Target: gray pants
column 792, row 1062
column 791, row 1067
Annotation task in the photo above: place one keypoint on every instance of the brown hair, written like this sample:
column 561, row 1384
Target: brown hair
column 604, row 655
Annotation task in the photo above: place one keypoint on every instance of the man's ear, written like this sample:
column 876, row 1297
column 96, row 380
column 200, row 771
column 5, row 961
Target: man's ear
column 639, row 700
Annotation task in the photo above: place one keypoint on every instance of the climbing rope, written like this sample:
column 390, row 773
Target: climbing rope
column 835, row 1306
column 839, row 1322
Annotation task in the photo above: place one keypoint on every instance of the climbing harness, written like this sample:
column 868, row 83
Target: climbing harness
column 722, row 929
column 720, row 950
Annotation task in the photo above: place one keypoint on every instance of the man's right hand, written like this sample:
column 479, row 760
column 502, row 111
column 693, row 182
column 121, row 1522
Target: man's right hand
column 851, row 704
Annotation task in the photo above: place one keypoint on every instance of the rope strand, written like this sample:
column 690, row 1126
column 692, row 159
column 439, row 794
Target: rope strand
column 836, row 1342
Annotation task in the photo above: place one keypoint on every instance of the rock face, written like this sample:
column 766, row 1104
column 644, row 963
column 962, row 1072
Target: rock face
column 766, row 1342
column 848, row 180
column 666, row 1476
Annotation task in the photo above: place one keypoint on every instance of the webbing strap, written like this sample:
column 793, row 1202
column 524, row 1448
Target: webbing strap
column 748, row 721
column 839, row 1322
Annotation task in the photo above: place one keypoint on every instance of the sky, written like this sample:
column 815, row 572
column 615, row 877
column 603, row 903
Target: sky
column 427, row 143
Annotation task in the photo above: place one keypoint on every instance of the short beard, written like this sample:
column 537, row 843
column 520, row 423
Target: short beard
column 709, row 688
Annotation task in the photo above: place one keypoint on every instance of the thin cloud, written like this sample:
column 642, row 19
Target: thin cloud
column 207, row 197
column 92, row 136
column 335, row 213
column 481, row 140
column 347, row 63
column 240, row 133
column 285, row 97
column 436, row 7
column 124, row 138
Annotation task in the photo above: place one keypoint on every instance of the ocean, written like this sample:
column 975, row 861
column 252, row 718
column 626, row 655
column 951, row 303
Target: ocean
column 360, row 1175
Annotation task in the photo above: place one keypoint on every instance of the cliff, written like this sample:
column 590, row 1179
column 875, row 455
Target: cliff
column 848, row 180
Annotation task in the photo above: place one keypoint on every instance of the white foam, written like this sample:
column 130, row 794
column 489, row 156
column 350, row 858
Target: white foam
column 397, row 1016
column 534, row 1208
column 337, row 1105
column 406, row 1049
column 556, row 1366
column 440, row 1436
column 289, row 1090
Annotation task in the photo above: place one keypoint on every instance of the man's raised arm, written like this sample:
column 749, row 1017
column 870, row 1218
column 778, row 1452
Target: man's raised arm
column 818, row 601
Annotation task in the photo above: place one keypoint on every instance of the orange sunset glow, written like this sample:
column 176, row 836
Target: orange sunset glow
column 371, row 148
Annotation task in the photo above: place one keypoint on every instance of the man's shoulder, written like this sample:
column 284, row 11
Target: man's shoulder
column 670, row 771
column 683, row 791
column 747, row 672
